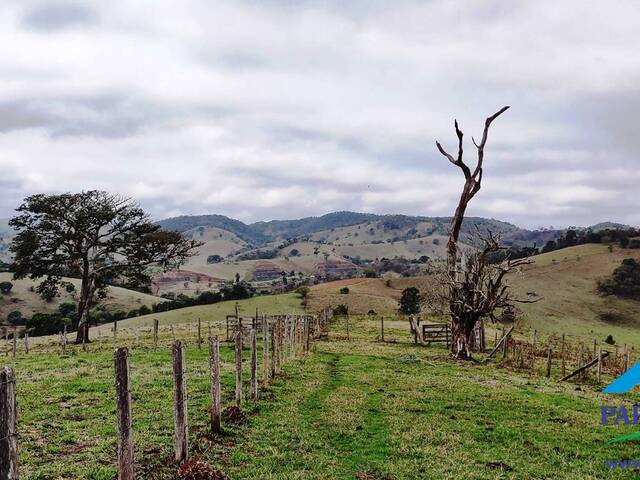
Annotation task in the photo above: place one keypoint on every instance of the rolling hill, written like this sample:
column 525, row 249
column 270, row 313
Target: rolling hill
column 564, row 281
column 300, row 245
column 28, row 302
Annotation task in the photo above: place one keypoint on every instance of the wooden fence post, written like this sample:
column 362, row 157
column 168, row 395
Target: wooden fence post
column 199, row 333
column 533, row 349
column 214, row 360
column 522, row 354
column 123, row 409
column 274, row 353
column 15, row 343
column 254, row 364
column 562, row 355
column 579, row 358
column 8, row 425
column 155, row 333
column 549, row 358
column 238, row 366
column 180, row 404
column 346, row 319
column 265, row 352
column 382, row 328
column 26, row 343
column 115, row 331
column 599, row 365
column 626, row 359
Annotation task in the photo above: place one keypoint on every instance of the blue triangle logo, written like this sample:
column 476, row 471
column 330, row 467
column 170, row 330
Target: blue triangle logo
column 626, row 381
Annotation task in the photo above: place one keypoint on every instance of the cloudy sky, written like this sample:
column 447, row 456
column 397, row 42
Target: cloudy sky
column 282, row 109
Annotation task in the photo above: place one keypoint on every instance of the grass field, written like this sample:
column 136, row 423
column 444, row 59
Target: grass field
column 355, row 409
column 214, row 313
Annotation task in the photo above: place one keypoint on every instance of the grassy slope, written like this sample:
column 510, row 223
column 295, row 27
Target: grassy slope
column 215, row 313
column 567, row 279
column 30, row 302
column 357, row 409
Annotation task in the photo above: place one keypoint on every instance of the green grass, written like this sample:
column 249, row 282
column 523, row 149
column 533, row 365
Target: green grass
column 351, row 409
column 216, row 312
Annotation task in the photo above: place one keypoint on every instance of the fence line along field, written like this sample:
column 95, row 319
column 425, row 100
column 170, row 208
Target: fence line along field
column 327, row 409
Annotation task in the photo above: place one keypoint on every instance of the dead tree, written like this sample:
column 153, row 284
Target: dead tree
column 475, row 289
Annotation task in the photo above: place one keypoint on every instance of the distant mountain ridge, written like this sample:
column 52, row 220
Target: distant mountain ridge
column 260, row 233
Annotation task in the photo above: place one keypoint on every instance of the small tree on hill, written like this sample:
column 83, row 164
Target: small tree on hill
column 5, row 287
column 95, row 236
column 624, row 282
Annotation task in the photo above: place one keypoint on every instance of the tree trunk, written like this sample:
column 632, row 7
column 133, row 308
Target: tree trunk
column 461, row 331
column 86, row 293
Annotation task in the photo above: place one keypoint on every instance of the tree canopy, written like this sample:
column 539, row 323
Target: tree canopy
column 98, row 237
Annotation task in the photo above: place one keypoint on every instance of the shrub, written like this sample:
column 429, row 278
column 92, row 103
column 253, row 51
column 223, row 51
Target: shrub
column 370, row 274
column 294, row 252
column 5, row 287
column 344, row 290
column 67, row 309
column 609, row 340
column 47, row 324
column 624, row 282
column 15, row 318
column 144, row 310
column 303, row 291
column 214, row 259
column 341, row 310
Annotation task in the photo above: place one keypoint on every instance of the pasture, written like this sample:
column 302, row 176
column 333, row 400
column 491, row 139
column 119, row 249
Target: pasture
column 351, row 409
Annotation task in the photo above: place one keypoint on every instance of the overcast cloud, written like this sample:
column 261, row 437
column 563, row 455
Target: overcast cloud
column 281, row 109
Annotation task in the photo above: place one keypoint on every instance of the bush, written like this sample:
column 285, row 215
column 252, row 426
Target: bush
column 294, row 252
column 610, row 340
column 144, row 310
column 370, row 274
column 624, row 282
column 214, row 259
column 5, row 287
column 15, row 318
column 341, row 310
column 67, row 309
column 344, row 290
column 303, row 292
column 47, row 324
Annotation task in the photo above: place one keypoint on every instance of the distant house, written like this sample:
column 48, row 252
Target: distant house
column 336, row 268
column 266, row 271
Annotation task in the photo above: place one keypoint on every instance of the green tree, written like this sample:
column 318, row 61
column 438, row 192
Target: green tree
column 410, row 301
column 214, row 259
column 5, row 287
column 95, row 236
column 303, row 292
column 15, row 318
column 625, row 280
